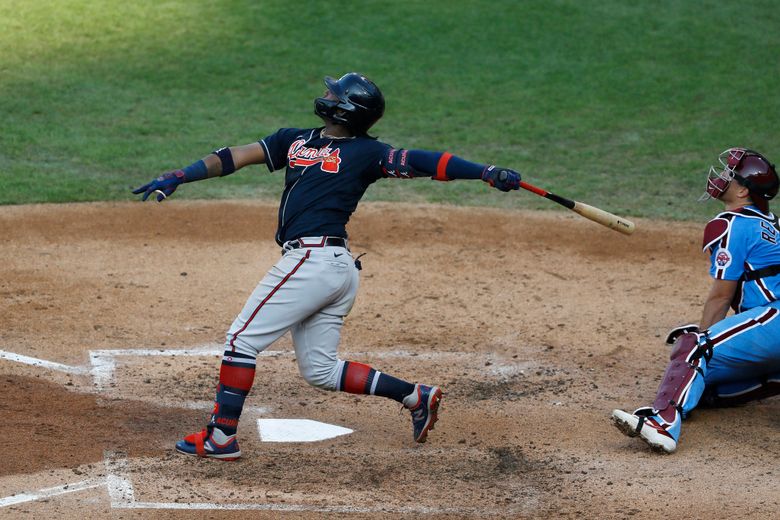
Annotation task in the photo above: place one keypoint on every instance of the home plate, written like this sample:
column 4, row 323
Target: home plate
column 297, row 430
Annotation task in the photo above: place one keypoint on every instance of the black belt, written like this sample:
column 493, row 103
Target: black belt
column 325, row 241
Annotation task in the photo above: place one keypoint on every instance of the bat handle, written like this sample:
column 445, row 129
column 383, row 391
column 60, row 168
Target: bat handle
column 533, row 189
column 563, row 201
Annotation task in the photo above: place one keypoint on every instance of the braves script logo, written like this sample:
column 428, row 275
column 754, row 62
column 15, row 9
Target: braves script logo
column 299, row 155
column 723, row 258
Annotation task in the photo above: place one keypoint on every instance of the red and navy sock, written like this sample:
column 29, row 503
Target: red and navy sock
column 357, row 378
column 236, row 376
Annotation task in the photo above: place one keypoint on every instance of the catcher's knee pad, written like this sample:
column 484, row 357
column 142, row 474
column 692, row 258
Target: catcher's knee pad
column 685, row 365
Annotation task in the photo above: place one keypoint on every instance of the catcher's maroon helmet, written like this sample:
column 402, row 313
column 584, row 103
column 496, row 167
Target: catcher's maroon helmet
column 751, row 170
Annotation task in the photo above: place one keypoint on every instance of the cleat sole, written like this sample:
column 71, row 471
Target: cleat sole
column 219, row 456
column 433, row 414
column 627, row 423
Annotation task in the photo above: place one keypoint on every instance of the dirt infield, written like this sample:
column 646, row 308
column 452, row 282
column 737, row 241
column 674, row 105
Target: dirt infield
column 536, row 325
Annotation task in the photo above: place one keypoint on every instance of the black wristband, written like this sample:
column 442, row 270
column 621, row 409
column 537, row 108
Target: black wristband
column 226, row 157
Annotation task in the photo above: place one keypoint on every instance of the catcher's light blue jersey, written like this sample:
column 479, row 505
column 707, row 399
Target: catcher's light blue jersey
column 739, row 243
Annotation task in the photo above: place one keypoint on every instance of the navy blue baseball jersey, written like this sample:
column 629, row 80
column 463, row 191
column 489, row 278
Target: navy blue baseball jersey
column 325, row 179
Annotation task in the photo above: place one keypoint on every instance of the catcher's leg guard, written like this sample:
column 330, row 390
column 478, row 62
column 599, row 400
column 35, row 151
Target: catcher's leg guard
column 683, row 381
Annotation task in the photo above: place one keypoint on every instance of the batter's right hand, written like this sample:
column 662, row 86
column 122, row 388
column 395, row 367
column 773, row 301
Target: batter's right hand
column 502, row 179
column 164, row 185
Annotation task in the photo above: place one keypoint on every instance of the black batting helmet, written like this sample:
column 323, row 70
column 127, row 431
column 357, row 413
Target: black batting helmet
column 751, row 170
column 360, row 102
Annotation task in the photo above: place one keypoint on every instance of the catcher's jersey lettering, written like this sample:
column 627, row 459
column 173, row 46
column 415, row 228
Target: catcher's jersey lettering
column 742, row 241
column 769, row 233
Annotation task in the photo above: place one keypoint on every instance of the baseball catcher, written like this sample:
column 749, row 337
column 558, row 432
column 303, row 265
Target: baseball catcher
column 312, row 287
column 723, row 360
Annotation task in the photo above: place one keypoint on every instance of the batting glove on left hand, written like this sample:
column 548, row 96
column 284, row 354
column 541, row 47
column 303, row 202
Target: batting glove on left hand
column 502, row 179
column 165, row 184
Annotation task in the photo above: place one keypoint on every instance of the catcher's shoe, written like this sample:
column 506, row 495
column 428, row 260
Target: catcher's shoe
column 424, row 405
column 210, row 443
column 645, row 427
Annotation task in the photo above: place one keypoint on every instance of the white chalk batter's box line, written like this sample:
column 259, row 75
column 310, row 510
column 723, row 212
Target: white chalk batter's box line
column 121, row 494
column 103, row 366
column 103, row 363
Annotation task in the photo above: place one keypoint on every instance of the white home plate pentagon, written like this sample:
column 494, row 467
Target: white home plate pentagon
column 298, row 430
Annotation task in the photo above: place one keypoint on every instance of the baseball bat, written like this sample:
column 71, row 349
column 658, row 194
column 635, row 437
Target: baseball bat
column 595, row 214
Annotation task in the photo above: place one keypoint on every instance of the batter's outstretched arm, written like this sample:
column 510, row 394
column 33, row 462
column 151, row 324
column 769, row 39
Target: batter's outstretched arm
column 224, row 161
column 443, row 166
column 219, row 163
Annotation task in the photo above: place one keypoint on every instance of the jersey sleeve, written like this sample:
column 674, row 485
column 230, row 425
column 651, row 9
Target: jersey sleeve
column 440, row 166
column 379, row 166
column 727, row 247
column 276, row 146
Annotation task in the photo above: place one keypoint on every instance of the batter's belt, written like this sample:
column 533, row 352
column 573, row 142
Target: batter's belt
column 315, row 242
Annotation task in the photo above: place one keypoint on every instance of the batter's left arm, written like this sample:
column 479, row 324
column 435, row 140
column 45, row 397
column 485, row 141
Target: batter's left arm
column 217, row 164
column 443, row 166
column 718, row 302
column 224, row 161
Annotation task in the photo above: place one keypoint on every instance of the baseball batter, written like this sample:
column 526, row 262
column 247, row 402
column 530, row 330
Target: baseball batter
column 312, row 287
column 725, row 361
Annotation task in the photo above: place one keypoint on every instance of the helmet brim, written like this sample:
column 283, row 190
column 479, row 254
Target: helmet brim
column 334, row 86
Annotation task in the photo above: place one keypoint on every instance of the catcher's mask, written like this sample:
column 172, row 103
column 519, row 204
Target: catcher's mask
column 358, row 106
column 750, row 169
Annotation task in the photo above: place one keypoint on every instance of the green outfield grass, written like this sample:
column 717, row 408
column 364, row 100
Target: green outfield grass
column 619, row 104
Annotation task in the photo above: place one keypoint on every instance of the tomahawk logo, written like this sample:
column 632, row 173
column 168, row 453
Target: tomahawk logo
column 299, row 155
